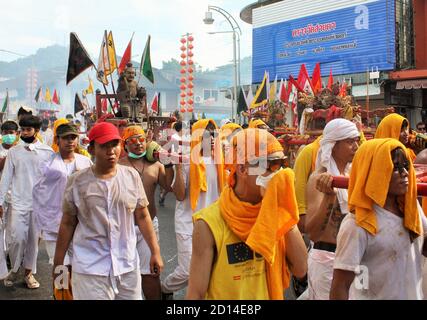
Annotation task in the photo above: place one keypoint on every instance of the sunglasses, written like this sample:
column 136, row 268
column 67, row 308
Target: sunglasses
column 135, row 140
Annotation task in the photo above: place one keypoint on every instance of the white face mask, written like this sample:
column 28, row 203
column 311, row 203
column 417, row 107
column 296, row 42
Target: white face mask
column 263, row 181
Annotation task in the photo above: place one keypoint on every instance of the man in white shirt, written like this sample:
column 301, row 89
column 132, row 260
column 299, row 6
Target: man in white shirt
column 48, row 192
column 188, row 202
column 46, row 132
column 9, row 130
column 102, row 204
column 380, row 243
column 327, row 206
column 20, row 173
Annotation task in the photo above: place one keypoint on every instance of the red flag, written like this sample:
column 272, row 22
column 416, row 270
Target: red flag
column 316, row 79
column 55, row 98
column 343, row 90
column 155, row 103
column 126, row 57
column 104, row 105
column 330, row 81
column 304, row 79
column 295, row 84
column 284, row 93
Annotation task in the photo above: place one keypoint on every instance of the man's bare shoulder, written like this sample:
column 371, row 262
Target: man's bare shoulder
column 124, row 161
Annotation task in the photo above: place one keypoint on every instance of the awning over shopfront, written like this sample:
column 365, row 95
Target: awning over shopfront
column 412, row 84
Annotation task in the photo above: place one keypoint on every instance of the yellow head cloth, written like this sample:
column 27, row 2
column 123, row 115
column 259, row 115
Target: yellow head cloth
column 370, row 176
column 198, row 181
column 130, row 132
column 253, row 124
column 228, row 129
column 249, row 145
column 390, row 126
column 56, row 124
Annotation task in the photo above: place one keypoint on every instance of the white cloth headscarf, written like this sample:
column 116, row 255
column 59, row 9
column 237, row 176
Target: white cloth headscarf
column 336, row 130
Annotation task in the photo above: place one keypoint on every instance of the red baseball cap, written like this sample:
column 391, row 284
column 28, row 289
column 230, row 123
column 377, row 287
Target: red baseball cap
column 104, row 132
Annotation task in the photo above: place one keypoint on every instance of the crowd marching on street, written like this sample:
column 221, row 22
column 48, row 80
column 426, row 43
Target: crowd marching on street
column 247, row 226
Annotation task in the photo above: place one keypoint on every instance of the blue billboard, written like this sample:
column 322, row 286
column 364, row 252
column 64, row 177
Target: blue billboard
column 347, row 40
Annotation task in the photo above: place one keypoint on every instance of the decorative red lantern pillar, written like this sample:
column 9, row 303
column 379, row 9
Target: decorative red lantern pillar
column 187, row 73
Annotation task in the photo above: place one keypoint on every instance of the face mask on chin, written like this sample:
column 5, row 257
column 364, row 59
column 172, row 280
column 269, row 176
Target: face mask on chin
column 136, row 156
column 28, row 139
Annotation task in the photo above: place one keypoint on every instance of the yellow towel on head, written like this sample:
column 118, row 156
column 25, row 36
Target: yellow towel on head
column 390, row 126
column 56, row 124
column 370, row 176
column 253, row 124
column 198, row 181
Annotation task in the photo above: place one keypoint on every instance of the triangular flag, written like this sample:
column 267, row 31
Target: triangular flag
column 331, row 80
column 38, row 94
column 316, row 79
column 78, row 105
column 103, row 61
column 304, row 80
column 111, row 54
column 273, row 91
column 5, row 103
column 343, row 90
column 55, row 98
column 260, row 98
column 155, row 103
column 126, row 57
column 146, row 68
column 89, row 89
column 78, row 60
column 249, row 97
column 293, row 82
column 284, row 93
column 47, row 96
column 241, row 102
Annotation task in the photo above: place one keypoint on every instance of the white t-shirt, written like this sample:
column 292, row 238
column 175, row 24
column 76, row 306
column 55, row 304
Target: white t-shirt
column 393, row 264
column 183, row 211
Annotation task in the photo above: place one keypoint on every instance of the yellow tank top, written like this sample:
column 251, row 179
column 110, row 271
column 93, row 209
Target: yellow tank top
column 237, row 273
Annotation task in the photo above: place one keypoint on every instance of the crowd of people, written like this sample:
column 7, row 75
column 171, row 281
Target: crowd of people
column 246, row 226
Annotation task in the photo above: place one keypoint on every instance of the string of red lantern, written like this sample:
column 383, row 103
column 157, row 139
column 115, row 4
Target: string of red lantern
column 187, row 71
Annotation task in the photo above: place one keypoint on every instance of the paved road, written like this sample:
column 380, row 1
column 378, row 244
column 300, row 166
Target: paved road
column 167, row 245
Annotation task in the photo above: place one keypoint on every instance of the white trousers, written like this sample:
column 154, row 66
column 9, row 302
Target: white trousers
column 24, row 238
column 143, row 248
column 93, row 287
column 3, row 246
column 179, row 278
column 320, row 274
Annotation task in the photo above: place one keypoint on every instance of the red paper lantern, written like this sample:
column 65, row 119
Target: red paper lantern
column 183, row 63
column 183, row 56
column 190, row 54
column 182, row 102
column 183, row 95
column 190, row 62
column 183, row 40
column 183, row 71
column 183, row 110
column 183, row 48
column 190, row 93
column 183, row 80
column 183, row 87
column 190, row 85
column 190, row 46
column 190, row 109
column 190, row 70
column 190, row 101
column 190, row 38
column 190, row 78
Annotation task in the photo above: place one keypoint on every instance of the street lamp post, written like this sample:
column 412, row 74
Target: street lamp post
column 236, row 43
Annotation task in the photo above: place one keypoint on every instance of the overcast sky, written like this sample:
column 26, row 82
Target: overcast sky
column 28, row 25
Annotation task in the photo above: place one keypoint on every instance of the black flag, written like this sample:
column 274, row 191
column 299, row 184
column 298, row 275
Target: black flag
column 78, row 105
column 241, row 102
column 78, row 60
